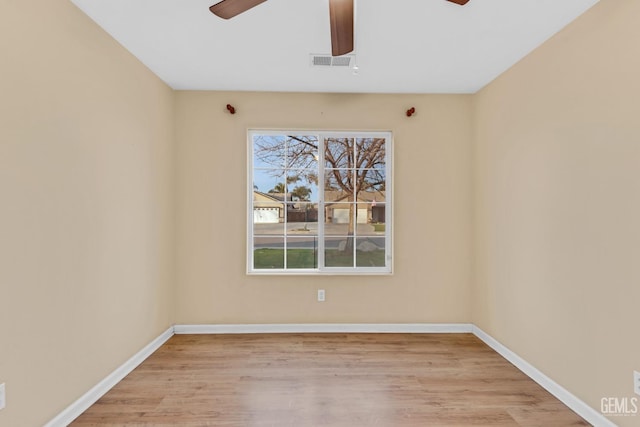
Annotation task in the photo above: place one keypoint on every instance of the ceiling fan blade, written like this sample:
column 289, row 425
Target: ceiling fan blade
column 229, row 8
column 460, row 2
column 341, row 17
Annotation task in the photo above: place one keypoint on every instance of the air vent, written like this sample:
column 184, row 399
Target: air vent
column 341, row 61
column 326, row 61
column 321, row 61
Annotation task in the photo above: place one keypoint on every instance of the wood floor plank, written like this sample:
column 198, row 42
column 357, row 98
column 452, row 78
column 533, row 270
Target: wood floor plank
column 331, row 380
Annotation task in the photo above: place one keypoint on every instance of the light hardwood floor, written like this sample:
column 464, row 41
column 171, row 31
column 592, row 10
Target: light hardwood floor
column 345, row 380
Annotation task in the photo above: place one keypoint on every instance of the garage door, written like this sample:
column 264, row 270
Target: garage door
column 341, row 216
column 266, row 216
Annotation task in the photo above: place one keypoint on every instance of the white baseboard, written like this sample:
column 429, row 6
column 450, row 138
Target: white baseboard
column 83, row 403
column 74, row 410
column 578, row 406
column 423, row 328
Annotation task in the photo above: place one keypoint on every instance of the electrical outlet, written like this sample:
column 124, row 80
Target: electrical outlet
column 636, row 382
column 321, row 295
column 3, row 396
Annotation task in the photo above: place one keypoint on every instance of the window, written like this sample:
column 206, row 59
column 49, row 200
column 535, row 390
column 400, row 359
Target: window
column 319, row 203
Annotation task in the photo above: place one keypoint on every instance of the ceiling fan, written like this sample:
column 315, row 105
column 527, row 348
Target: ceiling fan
column 340, row 16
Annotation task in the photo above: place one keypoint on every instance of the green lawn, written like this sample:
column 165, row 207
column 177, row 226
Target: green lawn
column 305, row 258
column 379, row 227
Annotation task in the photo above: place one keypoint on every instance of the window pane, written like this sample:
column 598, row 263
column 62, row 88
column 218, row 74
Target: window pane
column 336, row 229
column 370, row 252
column 338, row 251
column 365, row 230
column 302, row 217
column 302, row 152
column 371, row 181
column 302, row 185
column 378, row 216
column 339, row 153
column 268, row 252
column 268, row 181
column 269, row 151
column 338, row 185
column 339, row 213
column 371, row 153
column 302, row 252
column 268, row 218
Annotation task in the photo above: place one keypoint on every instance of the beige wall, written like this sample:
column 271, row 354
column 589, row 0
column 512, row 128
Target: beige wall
column 85, row 207
column 557, row 156
column 432, row 237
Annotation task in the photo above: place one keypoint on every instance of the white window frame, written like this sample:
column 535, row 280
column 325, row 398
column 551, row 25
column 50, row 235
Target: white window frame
column 321, row 269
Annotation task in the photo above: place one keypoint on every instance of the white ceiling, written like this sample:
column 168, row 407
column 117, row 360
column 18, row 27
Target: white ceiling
column 401, row 46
